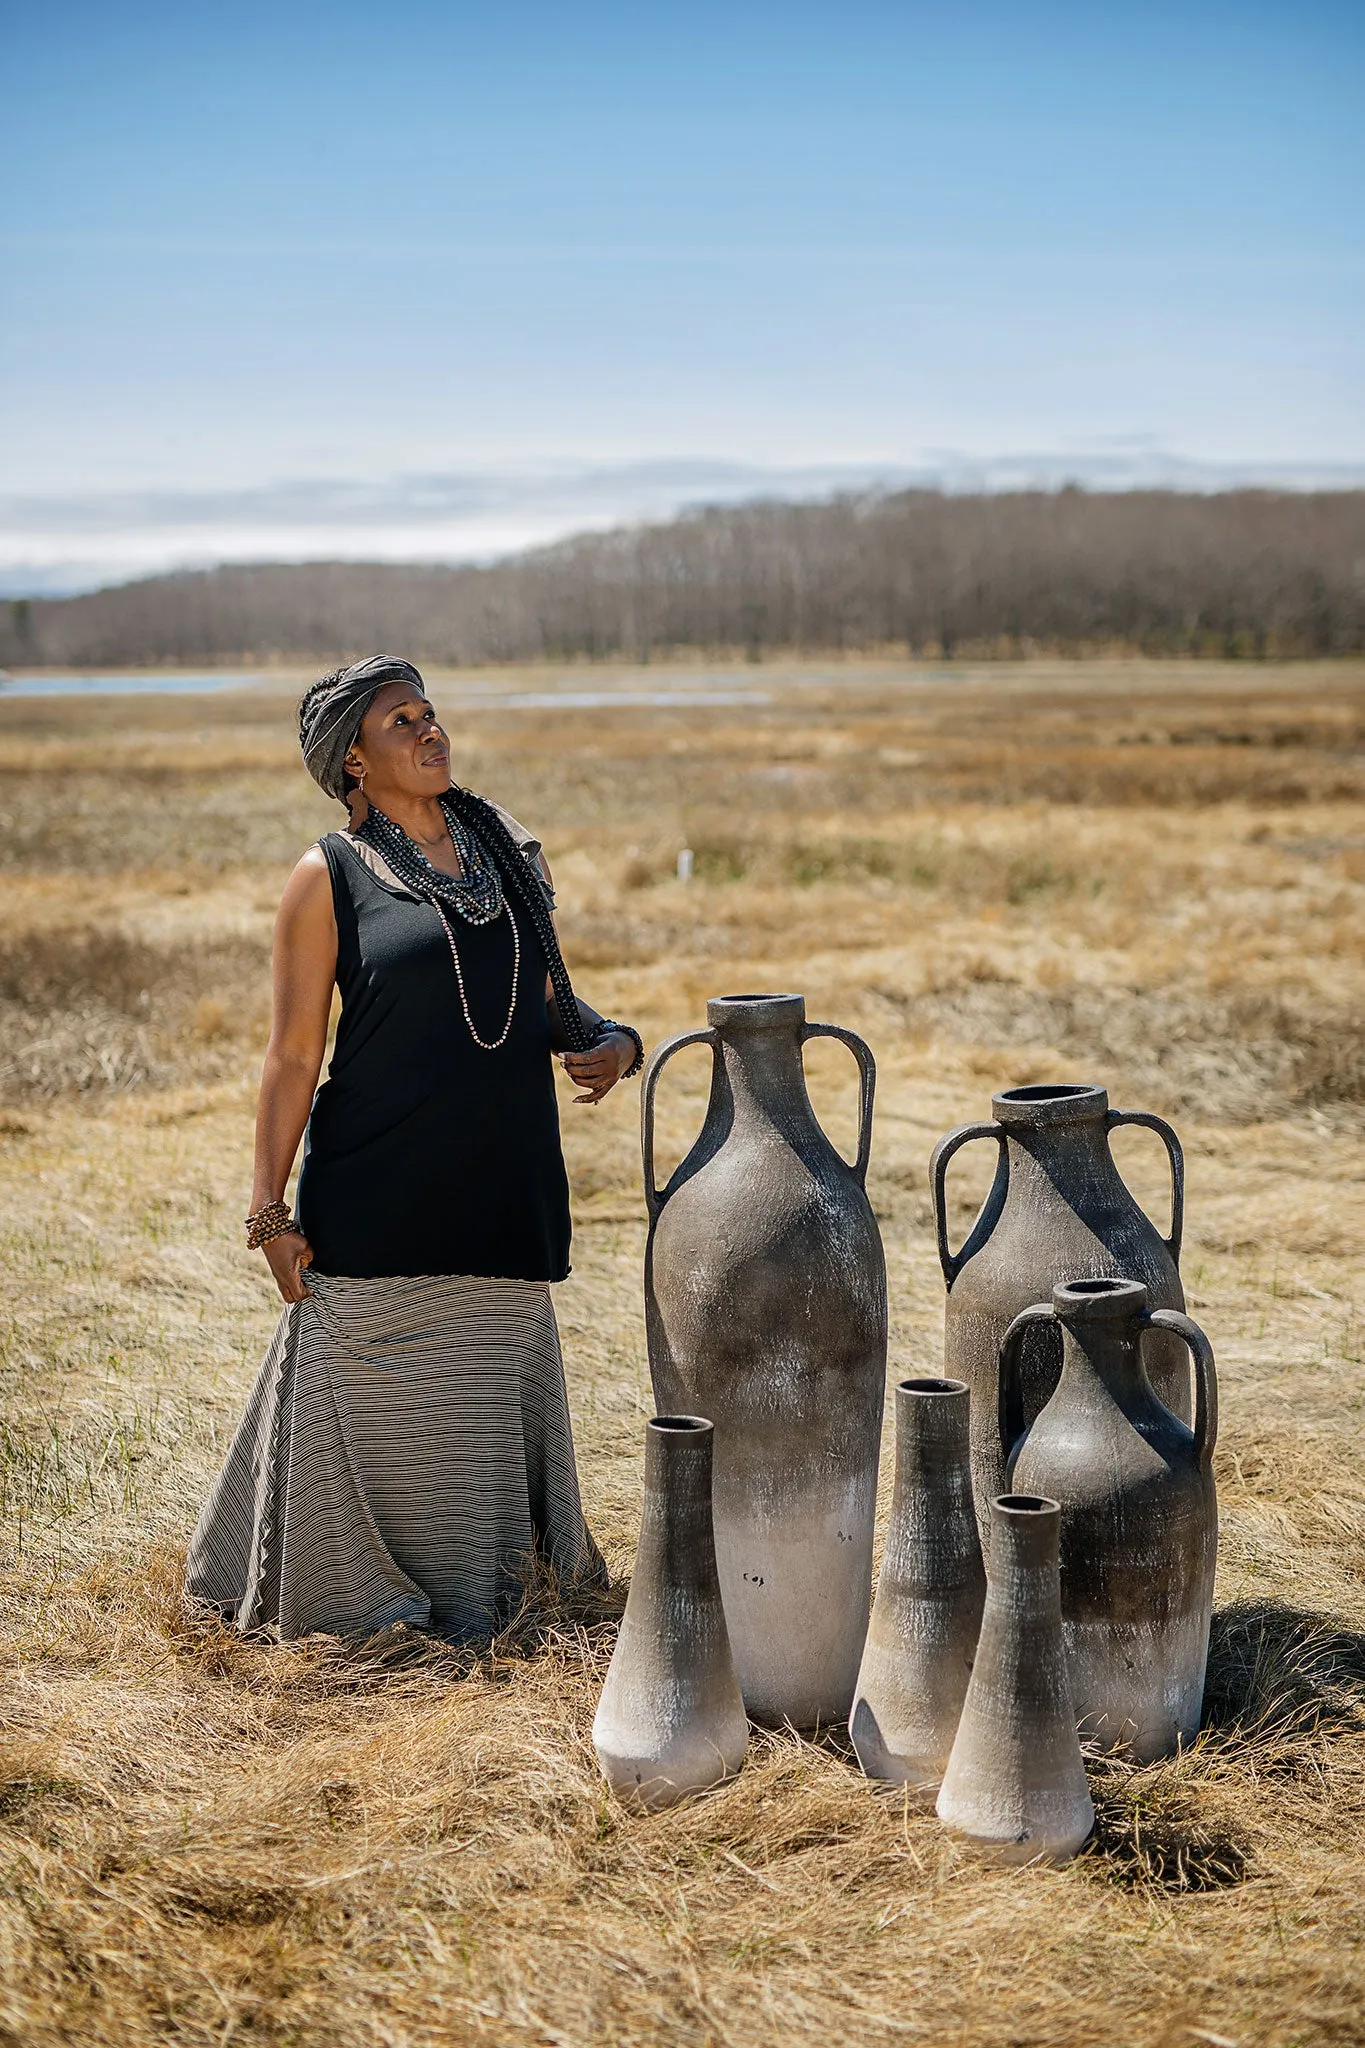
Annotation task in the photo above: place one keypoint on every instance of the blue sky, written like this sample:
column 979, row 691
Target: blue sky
column 436, row 279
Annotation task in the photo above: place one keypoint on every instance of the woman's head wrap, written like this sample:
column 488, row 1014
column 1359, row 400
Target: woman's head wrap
column 331, row 711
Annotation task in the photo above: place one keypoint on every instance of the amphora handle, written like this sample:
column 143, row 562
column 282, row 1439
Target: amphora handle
column 658, row 1059
column 951, row 1261
column 1205, row 1377
column 867, row 1075
column 1113, row 1118
column 1011, row 1400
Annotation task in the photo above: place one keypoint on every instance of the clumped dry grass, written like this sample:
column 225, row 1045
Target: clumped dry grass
column 1146, row 875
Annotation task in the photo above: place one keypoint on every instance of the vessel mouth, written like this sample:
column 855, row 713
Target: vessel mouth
column 1049, row 1102
column 1046, row 1091
column 1104, row 1295
column 758, row 1007
column 1026, row 1504
column 932, row 1387
column 681, row 1425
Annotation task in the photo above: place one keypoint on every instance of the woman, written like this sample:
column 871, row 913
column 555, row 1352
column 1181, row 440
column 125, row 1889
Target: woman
column 406, row 1447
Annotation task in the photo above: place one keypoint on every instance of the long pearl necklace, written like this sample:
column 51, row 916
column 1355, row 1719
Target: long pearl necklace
column 484, row 1044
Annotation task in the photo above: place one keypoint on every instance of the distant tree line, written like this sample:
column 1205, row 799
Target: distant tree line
column 1235, row 573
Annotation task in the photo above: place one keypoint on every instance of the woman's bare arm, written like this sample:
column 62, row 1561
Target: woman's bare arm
column 305, row 959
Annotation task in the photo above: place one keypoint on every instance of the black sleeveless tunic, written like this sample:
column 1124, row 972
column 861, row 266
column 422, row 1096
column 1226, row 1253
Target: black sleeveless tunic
column 425, row 1154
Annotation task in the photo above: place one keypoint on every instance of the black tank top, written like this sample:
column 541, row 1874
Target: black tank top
column 424, row 1154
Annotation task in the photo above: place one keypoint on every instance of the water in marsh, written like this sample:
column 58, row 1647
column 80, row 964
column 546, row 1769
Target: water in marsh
column 522, row 700
column 120, row 686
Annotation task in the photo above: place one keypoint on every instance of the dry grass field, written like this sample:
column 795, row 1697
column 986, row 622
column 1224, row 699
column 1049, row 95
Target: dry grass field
column 1148, row 875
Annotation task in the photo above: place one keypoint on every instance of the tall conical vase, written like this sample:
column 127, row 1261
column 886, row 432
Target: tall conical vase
column 921, row 1641
column 1139, row 1529
column 1015, row 1786
column 1057, row 1208
column 671, row 1719
column 765, row 1308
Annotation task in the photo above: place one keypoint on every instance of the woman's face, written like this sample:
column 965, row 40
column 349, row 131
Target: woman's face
column 401, row 749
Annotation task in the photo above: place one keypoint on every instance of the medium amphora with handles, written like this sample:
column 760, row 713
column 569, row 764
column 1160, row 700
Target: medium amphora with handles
column 765, row 1307
column 1139, row 1534
column 1057, row 1208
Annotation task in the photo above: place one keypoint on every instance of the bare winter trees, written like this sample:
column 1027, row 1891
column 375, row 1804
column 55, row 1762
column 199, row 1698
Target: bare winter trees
column 1241, row 572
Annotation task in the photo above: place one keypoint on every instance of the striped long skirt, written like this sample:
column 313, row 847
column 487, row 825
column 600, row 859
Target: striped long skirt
column 405, row 1451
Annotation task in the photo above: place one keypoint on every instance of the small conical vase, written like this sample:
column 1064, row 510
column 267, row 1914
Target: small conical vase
column 926, row 1618
column 671, row 1719
column 1015, row 1785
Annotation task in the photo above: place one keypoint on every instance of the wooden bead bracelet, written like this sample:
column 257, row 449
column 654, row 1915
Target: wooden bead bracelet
column 271, row 1220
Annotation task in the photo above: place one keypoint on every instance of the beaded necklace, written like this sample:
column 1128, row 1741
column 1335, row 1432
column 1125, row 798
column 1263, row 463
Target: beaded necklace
column 475, row 894
column 484, row 1044
column 518, row 880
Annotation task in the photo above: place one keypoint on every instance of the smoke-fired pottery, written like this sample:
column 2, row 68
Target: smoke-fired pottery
column 765, row 1306
column 1057, row 1208
column 1139, row 1510
column 671, row 1720
column 1015, row 1785
column 927, row 1614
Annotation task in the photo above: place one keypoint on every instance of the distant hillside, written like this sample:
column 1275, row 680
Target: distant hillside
column 1253, row 572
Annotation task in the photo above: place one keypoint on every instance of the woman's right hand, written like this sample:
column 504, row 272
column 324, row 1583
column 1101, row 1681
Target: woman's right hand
column 287, row 1255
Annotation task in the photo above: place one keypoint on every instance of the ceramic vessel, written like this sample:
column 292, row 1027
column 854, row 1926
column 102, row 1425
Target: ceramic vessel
column 1015, row 1785
column 765, row 1307
column 671, row 1720
column 1139, row 1511
column 1057, row 1208
column 927, row 1614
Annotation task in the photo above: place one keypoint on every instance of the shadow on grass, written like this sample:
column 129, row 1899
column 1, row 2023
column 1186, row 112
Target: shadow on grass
column 1150, row 1835
column 573, row 1621
column 1282, row 1674
column 1282, row 1683
column 544, row 1616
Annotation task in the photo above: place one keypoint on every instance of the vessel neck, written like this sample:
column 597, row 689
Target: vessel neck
column 1022, row 1579
column 676, row 1546
column 931, row 1441
column 1104, row 1353
column 765, row 1073
column 1060, row 1152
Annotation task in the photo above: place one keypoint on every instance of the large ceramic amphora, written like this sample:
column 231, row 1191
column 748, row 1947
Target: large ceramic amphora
column 765, row 1308
column 1057, row 1209
column 1139, row 1534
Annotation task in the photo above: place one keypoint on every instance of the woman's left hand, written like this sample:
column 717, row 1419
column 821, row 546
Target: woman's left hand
column 598, row 1070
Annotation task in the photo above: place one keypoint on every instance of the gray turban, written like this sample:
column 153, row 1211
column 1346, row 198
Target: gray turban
column 331, row 712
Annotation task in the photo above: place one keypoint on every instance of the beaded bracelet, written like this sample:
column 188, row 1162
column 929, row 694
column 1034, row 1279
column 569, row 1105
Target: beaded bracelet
column 271, row 1220
column 605, row 1029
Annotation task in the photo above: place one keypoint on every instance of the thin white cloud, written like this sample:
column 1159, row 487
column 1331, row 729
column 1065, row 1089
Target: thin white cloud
column 53, row 545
